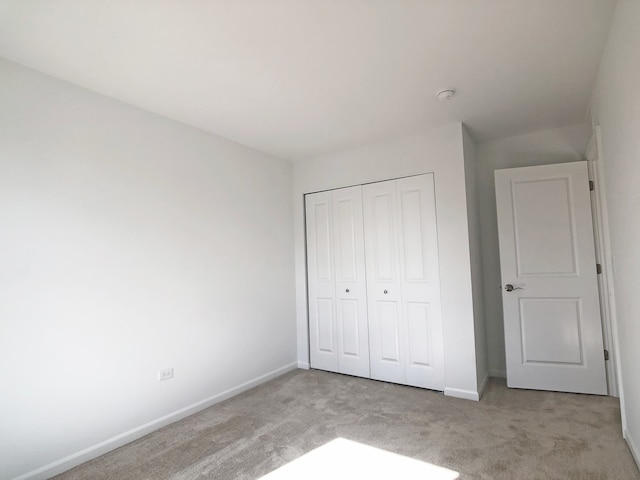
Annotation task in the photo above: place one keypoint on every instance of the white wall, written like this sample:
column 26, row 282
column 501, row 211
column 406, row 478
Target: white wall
column 549, row 146
column 439, row 151
column 128, row 243
column 475, row 252
column 616, row 107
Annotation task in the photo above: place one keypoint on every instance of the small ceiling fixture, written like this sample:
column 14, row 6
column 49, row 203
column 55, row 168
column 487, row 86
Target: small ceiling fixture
column 446, row 94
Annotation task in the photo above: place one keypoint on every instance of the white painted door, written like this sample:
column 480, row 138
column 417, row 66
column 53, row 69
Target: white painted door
column 403, row 291
column 384, row 298
column 420, row 281
column 323, row 339
column 336, row 278
column 351, row 295
column 553, row 332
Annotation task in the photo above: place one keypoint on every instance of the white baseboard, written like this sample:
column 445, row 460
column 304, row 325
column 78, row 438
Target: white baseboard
column 633, row 446
column 460, row 393
column 483, row 385
column 468, row 394
column 498, row 373
column 304, row 365
column 64, row 464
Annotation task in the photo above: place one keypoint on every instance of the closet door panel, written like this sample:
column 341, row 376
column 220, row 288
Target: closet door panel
column 381, row 232
column 389, row 327
column 419, row 349
column 350, row 281
column 386, row 342
column 349, row 328
column 324, row 328
column 323, row 342
column 419, row 270
column 386, row 336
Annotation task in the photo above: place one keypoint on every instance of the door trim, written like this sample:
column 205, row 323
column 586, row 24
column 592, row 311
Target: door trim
column 604, row 257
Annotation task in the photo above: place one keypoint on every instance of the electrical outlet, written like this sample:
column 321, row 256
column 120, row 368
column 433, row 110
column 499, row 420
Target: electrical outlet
column 165, row 374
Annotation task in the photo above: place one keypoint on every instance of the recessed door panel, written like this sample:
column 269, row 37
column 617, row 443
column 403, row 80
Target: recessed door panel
column 322, row 239
column 550, row 329
column 414, row 261
column 543, row 227
column 387, row 362
column 418, row 324
column 389, row 332
column 383, row 241
column 346, row 253
column 350, row 328
column 324, row 325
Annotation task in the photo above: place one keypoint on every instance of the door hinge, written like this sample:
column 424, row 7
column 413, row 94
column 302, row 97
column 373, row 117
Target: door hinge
column 591, row 185
column 606, row 355
column 598, row 268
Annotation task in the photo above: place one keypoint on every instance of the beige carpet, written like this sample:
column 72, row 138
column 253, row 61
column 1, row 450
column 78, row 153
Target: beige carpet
column 509, row 434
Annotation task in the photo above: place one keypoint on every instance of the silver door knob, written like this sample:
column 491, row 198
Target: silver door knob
column 385, row 292
column 510, row 288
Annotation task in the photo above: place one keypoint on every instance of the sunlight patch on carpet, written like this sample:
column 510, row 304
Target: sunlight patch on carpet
column 346, row 459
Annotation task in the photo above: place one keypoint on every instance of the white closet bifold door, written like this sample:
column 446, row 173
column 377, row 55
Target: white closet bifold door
column 323, row 341
column 338, row 326
column 386, row 339
column 373, row 279
column 403, row 291
column 420, row 280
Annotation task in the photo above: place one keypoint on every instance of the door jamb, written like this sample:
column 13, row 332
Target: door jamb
column 604, row 258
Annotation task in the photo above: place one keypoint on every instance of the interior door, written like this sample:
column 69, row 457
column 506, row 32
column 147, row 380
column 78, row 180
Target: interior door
column 420, row 282
column 553, row 333
column 384, row 296
column 338, row 326
column 323, row 340
column 350, row 282
column 403, row 282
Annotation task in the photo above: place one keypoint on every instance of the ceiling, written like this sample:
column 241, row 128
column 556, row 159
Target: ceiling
column 302, row 78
